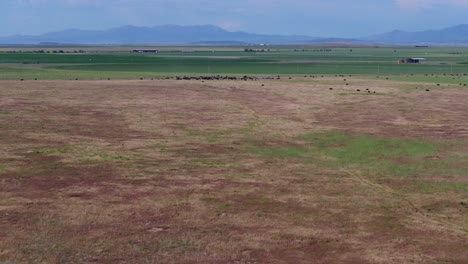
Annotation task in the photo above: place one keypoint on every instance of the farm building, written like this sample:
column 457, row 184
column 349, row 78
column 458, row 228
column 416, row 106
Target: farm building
column 415, row 60
column 146, row 51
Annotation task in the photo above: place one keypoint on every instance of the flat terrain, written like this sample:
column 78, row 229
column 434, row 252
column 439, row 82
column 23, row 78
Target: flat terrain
column 271, row 171
column 86, row 62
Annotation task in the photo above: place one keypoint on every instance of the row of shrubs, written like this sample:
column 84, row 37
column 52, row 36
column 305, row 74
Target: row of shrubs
column 44, row 51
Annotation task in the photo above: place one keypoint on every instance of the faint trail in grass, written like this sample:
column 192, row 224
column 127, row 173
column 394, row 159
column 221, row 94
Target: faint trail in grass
column 401, row 197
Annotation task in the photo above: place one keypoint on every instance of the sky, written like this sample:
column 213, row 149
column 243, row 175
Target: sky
column 317, row 18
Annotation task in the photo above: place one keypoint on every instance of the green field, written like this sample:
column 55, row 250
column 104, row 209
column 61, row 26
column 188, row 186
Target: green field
column 119, row 62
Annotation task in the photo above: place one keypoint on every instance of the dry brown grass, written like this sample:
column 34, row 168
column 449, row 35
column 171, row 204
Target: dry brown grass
column 162, row 172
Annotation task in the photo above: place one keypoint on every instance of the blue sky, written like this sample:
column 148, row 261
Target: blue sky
column 324, row 18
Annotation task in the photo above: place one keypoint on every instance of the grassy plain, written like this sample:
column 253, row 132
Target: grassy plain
column 301, row 170
column 368, row 168
column 119, row 62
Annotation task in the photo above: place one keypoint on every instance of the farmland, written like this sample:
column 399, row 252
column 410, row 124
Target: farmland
column 119, row 62
column 124, row 166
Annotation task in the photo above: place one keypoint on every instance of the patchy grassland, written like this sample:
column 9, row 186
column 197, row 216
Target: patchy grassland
column 153, row 171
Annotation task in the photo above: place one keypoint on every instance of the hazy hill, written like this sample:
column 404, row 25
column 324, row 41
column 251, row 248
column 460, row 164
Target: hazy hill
column 208, row 34
column 166, row 34
column 452, row 35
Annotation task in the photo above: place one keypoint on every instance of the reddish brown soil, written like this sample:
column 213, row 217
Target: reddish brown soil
column 160, row 172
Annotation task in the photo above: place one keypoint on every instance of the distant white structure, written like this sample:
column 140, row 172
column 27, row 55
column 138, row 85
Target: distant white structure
column 415, row 60
column 146, row 51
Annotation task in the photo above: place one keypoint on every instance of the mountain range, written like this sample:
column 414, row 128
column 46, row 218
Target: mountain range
column 166, row 34
column 452, row 35
column 208, row 34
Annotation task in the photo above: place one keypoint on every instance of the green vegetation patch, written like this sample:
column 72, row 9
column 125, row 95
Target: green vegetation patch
column 439, row 187
column 209, row 163
column 280, row 151
column 370, row 155
column 212, row 136
column 181, row 244
column 379, row 156
column 52, row 150
column 110, row 156
column 83, row 154
column 364, row 149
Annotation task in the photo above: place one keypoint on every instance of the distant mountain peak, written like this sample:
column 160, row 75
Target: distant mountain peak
column 457, row 34
column 164, row 34
column 461, row 26
column 177, row 34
